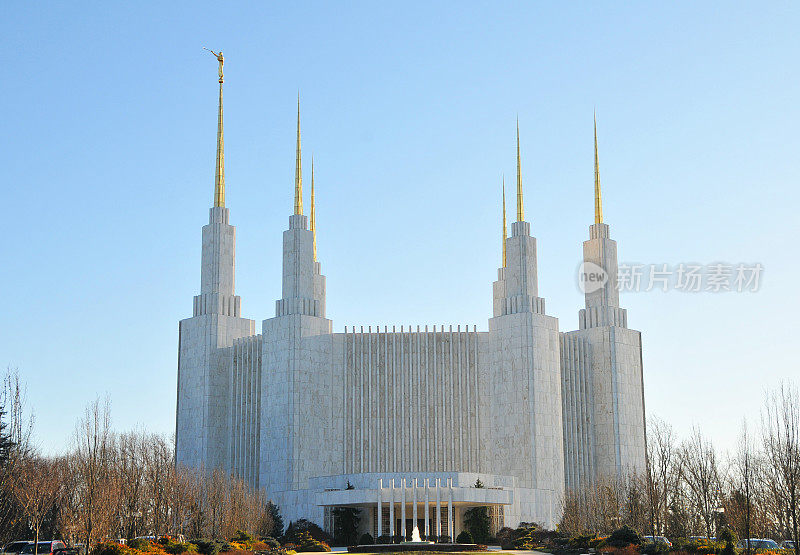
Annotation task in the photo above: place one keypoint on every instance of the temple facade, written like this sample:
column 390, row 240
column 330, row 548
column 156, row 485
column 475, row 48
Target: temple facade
column 404, row 422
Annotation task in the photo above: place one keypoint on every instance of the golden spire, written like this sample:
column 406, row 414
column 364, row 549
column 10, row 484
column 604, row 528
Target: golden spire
column 598, row 201
column 504, row 221
column 313, row 219
column 520, row 209
column 298, row 170
column 219, row 173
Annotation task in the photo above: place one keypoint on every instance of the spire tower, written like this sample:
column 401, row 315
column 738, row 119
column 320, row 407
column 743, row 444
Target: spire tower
column 598, row 201
column 298, row 170
column 505, row 233
column 520, row 208
column 313, row 212
column 219, row 172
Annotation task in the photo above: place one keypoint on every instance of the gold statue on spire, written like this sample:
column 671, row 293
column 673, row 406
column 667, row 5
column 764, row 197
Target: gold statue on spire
column 505, row 234
column 313, row 213
column 219, row 173
column 298, row 170
column 520, row 208
column 598, row 201
column 220, row 59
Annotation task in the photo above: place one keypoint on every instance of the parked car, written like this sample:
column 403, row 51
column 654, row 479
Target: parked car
column 657, row 539
column 14, row 548
column 44, row 548
column 758, row 543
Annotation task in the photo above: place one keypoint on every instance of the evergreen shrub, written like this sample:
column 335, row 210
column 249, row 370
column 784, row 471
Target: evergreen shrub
column 464, row 537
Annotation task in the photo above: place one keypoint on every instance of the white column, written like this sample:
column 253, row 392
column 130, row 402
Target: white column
column 414, row 500
column 380, row 511
column 427, row 512
column 450, row 519
column 403, row 508
column 438, row 510
column 391, row 510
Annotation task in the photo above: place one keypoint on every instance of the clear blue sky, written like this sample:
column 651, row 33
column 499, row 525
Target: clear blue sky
column 107, row 150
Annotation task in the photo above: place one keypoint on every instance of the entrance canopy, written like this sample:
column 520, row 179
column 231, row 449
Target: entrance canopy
column 429, row 500
column 456, row 487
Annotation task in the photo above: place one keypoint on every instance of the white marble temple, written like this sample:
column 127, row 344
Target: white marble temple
column 300, row 411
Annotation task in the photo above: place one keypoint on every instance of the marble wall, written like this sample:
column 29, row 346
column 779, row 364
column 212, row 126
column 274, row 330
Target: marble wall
column 411, row 399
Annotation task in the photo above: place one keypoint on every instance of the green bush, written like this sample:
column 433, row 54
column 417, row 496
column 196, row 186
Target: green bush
column 140, row 544
column 529, row 536
column 505, row 538
column 464, row 537
column 727, row 535
column 623, row 537
column 560, row 541
column 208, row 547
column 271, row 542
column 306, row 542
column 242, row 537
column 444, row 539
column 384, row 539
column 295, row 529
column 524, row 540
column 679, row 544
column 581, row 541
column 477, row 522
column 366, row 539
column 729, row 539
column 108, row 549
column 176, row 548
column 655, row 548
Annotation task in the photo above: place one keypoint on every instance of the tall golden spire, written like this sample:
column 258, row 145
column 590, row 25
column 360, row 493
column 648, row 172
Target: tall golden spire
column 219, row 172
column 504, row 222
column 520, row 209
column 598, row 201
column 313, row 214
column 298, row 170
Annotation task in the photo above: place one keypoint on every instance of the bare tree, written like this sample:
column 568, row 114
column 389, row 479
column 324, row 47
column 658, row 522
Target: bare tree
column 93, row 450
column 124, row 485
column 743, row 479
column 605, row 504
column 14, row 400
column 37, row 486
column 661, row 461
column 159, row 470
column 782, row 448
column 130, row 483
column 772, row 501
column 19, row 428
column 68, row 504
column 700, row 474
column 217, row 497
